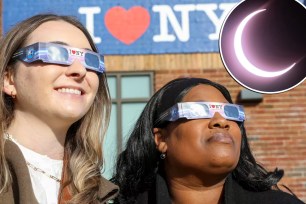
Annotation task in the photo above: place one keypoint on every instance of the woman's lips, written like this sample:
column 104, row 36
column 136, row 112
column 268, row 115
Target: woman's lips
column 221, row 137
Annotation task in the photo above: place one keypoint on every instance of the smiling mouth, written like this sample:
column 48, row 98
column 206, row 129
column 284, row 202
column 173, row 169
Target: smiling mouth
column 70, row 91
column 221, row 137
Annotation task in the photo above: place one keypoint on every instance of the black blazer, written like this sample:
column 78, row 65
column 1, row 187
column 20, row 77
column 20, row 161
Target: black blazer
column 234, row 194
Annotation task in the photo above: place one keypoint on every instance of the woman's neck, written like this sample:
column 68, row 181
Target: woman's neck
column 39, row 136
column 192, row 189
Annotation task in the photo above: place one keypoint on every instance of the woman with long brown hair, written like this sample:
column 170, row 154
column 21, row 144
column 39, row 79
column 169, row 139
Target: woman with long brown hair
column 55, row 108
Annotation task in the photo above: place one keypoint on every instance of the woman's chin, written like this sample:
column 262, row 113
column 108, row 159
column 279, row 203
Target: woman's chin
column 223, row 166
column 69, row 117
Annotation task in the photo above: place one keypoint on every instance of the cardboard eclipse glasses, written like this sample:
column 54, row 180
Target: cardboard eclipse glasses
column 200, row 110
column 60, row 54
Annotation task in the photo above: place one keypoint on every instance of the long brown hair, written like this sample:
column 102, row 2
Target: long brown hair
column 83, row 146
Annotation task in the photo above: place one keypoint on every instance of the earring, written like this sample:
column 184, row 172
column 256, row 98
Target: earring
column 162, row 155
column 13, row 95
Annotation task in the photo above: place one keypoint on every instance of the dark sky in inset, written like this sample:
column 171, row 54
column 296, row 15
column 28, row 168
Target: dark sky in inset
column 272, row 40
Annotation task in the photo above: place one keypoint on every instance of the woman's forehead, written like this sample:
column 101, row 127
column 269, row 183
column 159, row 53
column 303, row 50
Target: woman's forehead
column 59, row 31
column 204, row 92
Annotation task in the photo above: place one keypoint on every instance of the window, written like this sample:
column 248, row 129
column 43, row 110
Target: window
column 130, row 92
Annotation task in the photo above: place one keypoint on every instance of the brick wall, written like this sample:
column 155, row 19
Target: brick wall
column 276, row 127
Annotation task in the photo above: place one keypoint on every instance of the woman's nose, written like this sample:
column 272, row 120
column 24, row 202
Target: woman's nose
column 76, row 70
column 217, row 121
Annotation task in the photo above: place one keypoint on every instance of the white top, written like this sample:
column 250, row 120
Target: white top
column 45, row 188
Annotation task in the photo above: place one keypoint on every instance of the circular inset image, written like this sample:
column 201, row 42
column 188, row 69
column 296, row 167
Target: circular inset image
column 263, row 44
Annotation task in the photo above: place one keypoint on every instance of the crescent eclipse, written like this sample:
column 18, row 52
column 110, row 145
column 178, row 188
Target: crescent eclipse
column 244, row 60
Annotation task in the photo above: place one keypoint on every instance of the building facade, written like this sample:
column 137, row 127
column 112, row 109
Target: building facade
column 276, row 124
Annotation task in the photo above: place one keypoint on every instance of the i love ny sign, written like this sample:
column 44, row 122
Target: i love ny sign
column 127, row 25
column 136, row 26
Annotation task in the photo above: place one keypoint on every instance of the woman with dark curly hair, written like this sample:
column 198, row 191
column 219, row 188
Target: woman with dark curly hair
column 190, row 146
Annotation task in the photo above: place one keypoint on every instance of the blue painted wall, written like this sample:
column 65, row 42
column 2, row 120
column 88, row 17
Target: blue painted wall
column 136, row 26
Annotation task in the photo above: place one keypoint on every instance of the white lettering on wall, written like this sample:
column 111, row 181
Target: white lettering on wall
column 90, row 12
column 209, row 9
column 166, row 15
column 182, row 31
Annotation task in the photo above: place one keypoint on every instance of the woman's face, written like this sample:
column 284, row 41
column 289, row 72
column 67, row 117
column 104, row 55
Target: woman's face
column 209, row 146
column 54, row 93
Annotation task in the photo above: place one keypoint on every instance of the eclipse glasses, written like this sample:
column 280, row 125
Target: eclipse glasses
column 60, row 54
column 201, row 110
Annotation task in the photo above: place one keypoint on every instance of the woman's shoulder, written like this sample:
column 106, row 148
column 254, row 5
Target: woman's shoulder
column 236, row 194
column 272, row 197
column 276, row 196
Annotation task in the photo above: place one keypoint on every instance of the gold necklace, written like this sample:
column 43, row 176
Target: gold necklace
column 10, row 137
column 43, row 172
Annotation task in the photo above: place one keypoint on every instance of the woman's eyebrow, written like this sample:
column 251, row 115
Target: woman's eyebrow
column 63, row 43
column 59, row 42
column 206, row 101
column 199, row 100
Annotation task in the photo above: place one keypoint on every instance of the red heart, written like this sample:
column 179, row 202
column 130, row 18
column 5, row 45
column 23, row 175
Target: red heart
column 127, row 25
column 73, row 51
column 213, row 106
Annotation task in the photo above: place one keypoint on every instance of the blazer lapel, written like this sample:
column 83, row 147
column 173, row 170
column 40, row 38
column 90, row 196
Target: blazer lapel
column 22, row 186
